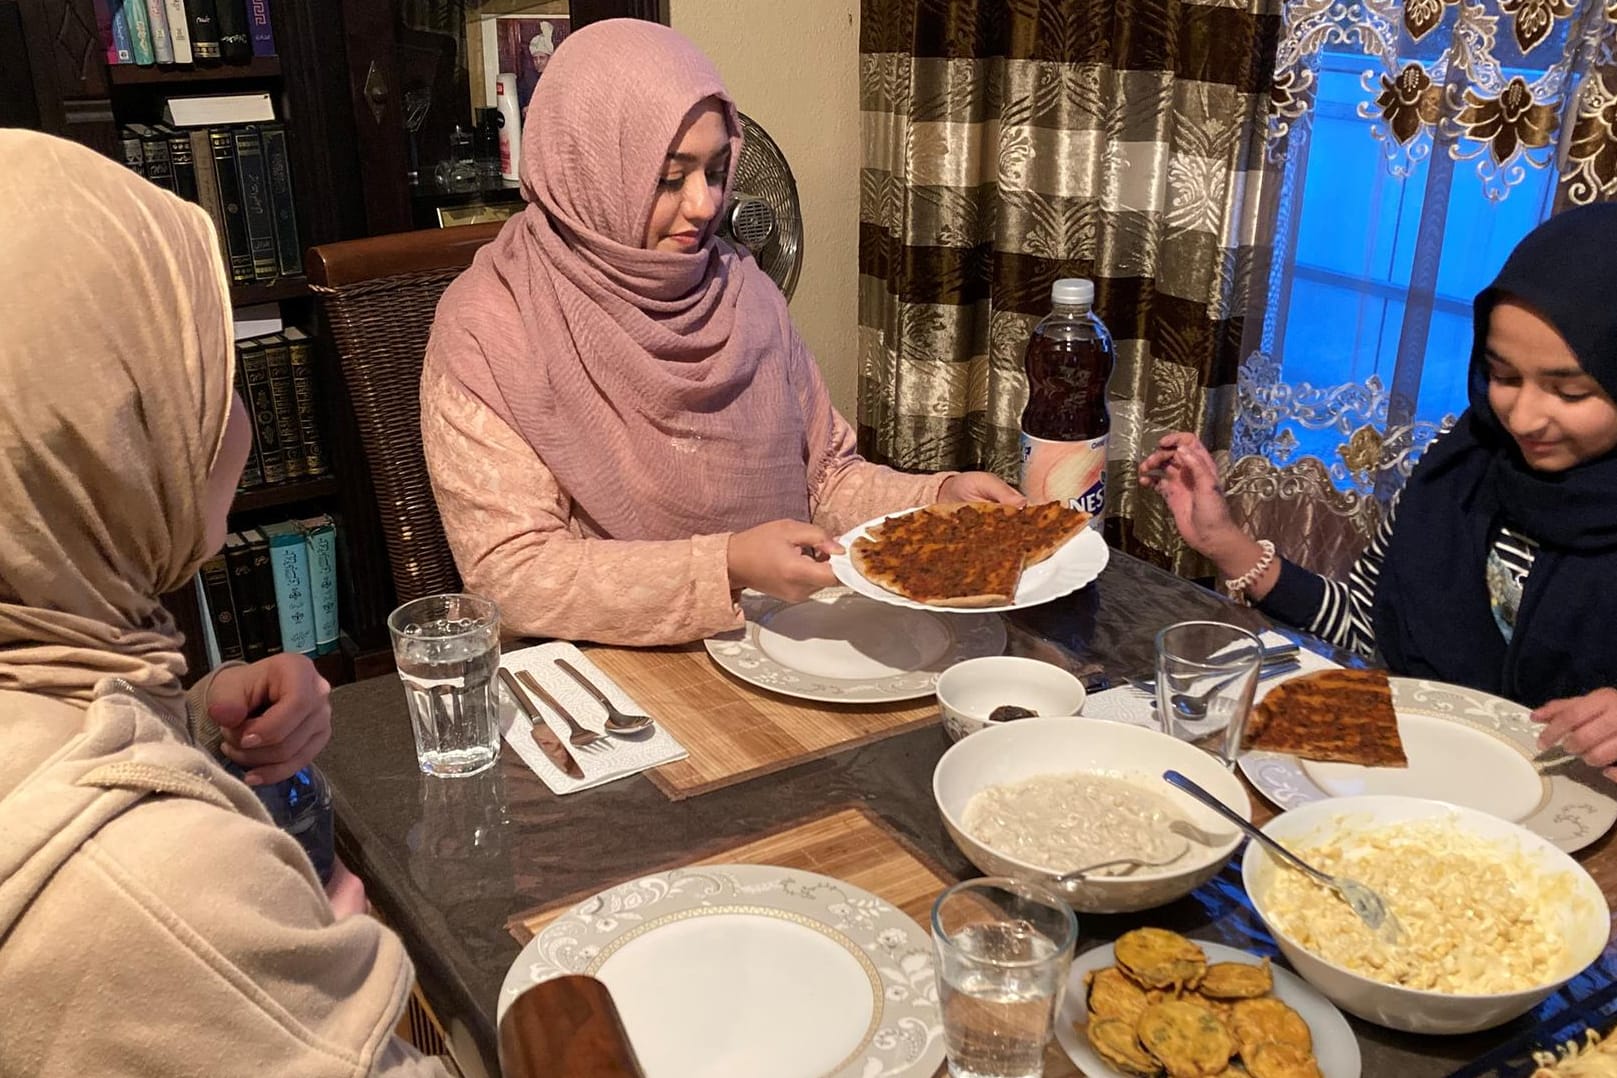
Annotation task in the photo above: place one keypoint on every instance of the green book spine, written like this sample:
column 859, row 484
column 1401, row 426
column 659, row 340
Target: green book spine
column 283, row 396
column 140, row 31
column 288, row 248
column 252, row 474
column 294, row 597
column 314, row 448
column 321, row 534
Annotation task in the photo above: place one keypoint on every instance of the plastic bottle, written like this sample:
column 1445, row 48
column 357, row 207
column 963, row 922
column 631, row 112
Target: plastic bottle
column 505, row 96
column 300, row 806
column 1065, row 425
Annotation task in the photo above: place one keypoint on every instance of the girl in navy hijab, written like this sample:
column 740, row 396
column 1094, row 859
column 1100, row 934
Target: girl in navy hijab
column 1496, row 567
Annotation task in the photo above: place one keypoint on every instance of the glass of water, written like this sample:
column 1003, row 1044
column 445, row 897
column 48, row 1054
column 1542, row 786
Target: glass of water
column 1207, row 672
column 1004, row 948
column 448, row 651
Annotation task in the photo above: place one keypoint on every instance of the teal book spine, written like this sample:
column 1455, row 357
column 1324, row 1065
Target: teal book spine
column 140, row 31
column 294, row 596
column 321, row 534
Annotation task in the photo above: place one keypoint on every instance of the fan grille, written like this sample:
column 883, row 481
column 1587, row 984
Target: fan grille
column 765, row 215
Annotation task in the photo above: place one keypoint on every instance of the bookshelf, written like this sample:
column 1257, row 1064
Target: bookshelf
column 282, row 288
column 188, row 76
column 283, row 494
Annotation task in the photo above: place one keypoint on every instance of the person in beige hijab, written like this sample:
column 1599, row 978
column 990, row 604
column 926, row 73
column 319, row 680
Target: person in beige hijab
column 152, row 920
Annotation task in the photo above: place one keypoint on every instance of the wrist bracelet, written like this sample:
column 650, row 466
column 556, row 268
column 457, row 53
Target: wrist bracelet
column 1239, row 585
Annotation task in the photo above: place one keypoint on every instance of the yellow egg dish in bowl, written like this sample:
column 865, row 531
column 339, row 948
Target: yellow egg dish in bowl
column 1493, row 917
column 1038, row 798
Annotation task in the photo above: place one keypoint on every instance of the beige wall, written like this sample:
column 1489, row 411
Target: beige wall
column 793, row 65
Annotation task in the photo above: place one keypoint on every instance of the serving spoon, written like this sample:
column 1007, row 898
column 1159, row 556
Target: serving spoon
column 1370, row 906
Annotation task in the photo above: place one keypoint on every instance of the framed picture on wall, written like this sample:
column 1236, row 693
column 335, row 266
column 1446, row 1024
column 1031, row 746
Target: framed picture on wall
column 521, row 45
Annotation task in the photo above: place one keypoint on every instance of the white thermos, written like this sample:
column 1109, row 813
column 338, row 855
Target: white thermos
column 505, row 95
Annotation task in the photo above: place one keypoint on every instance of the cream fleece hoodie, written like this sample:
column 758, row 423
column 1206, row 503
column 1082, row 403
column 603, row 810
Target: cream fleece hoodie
column 154, row 922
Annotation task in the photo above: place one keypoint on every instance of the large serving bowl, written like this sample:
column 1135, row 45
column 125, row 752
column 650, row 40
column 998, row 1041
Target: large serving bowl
column 1585, row 919
column 1010, row 752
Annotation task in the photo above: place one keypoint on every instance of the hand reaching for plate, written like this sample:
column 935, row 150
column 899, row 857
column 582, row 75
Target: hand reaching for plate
column 979, row 487
column 1586, row 725
column 784, row 558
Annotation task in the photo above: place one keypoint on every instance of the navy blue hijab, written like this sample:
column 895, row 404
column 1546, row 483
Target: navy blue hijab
column 1432, row 615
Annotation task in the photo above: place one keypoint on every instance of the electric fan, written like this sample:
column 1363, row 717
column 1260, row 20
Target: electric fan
column 764, row 215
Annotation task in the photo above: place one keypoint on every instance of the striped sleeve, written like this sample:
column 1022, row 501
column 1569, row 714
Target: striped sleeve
column 1337, row 611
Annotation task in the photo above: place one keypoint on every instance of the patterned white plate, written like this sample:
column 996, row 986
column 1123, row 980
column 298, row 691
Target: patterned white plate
column 736, row 971
column 839, row 647
column 1335, row 1046
column 1464, row 746
column 1076, row 564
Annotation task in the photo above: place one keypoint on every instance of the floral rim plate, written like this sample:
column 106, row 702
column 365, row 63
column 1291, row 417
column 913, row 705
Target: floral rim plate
column 1078, row 562
column 840, row 647
column 1335, row 1046
column 1485, row 764
column 745, row 970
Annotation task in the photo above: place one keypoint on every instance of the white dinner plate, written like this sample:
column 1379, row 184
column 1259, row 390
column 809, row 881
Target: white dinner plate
column 839, row 647
column 1335, row 1046
column 1465, row 747
column 736, row 971
column 1077, row 563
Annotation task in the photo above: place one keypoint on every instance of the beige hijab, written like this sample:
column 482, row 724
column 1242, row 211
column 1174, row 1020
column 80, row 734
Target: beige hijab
column 115, row 384
column 667, row 392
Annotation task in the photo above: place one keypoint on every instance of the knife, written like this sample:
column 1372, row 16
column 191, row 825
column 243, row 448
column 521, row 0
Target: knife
column 543, row 735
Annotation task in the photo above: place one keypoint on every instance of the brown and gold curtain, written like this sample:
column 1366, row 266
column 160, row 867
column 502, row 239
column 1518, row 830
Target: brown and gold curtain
column 1008, row 143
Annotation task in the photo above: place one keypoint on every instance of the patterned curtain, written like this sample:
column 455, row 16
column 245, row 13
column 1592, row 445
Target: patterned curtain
column 1008, row 144
column 1464, row 122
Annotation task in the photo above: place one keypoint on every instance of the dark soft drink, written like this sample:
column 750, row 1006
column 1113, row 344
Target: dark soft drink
column 1065, row 424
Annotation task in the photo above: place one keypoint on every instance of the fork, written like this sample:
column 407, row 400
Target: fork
column 1370, row 907
column 580, row 737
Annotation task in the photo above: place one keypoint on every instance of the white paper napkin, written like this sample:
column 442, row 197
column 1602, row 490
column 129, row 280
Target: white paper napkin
column 1128, row 704
column 607, row 760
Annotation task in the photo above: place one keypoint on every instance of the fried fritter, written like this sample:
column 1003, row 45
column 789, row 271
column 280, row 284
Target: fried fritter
column 1224, row 1008
column 1237, row 980
column 1281, row 1061
column 1157, row 958
column 1187, row 1038
column 1261, row 1021
column 1114, row 1041
column 1112, row 995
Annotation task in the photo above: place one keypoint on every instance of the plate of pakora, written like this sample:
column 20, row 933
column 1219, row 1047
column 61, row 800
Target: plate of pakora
column 1158, row 1005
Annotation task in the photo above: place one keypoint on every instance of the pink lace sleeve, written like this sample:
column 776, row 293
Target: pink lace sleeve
column 516, row 541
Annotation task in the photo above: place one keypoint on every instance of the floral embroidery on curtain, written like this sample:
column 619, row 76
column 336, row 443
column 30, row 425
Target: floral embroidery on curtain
column 1505, row 96
column 1008, row 145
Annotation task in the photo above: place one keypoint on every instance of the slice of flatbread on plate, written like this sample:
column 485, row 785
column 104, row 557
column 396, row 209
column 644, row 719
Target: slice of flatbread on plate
column 1344, row 716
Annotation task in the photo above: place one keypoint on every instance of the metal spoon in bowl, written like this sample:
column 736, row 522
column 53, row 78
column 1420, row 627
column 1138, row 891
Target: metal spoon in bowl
column 1081, row 875
column 1371, row 907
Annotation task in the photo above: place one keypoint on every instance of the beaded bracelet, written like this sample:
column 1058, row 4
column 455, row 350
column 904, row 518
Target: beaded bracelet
column 1239, row 585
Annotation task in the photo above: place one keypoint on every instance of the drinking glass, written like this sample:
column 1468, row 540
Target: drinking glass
column 1004, row 948
column 1207, row 672
column 448, row 651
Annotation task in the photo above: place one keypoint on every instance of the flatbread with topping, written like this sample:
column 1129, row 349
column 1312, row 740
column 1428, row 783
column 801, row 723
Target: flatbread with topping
column 1344, row 716
column 965, row 554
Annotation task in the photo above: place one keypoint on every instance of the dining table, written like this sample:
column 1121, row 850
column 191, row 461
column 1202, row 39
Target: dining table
column 449, row 863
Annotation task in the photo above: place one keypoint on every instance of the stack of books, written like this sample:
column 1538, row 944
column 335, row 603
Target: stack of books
column 184, row 31
column 271, row 589
column 240, row 174
column 275, row 379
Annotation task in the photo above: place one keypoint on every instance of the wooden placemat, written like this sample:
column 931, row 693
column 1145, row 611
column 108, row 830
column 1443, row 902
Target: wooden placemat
column 736, row 731
column 850, row 844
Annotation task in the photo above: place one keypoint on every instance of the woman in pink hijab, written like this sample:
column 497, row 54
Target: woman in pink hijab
column 622, row 425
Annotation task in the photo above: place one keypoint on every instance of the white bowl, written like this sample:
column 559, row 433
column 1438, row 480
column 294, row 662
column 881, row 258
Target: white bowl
column 969, row 691
column 1585, row 926
column 1012, row 751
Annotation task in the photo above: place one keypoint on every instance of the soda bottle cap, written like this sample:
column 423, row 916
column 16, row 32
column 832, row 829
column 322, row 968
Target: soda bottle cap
column 1073, row 292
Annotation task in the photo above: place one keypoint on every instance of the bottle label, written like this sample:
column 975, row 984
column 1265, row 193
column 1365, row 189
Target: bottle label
column 1069, row 472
